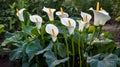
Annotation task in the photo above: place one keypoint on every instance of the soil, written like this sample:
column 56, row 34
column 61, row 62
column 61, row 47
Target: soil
column 5, row 62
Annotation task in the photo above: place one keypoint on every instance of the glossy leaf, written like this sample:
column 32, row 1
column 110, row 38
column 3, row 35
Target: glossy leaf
column 52, row 60
column 28, row 30
column 13, row 39
column 32, row 48
column 61, row 50
column 18, row 52
column 106, row 61
column 117, row 52
column 49, row 47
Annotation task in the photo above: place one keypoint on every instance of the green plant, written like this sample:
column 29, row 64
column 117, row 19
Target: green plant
column 61, row 41
column 1, row 31
column 1, row 28
column 116, row 8
column 118, row 19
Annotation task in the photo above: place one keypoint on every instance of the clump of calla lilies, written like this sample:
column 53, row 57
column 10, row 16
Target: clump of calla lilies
column 100, row 18
column 71, row 25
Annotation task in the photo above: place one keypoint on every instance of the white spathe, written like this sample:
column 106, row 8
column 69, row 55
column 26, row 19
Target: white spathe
column 69, row 23
column 60, row 15
column 81, row 25
column 52, row 30
column 86, row 17
column 100, row 17
column 20, row 14
column 36, row 19
column 50, row 12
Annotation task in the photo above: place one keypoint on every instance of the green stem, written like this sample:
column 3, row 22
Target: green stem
column 86, row 36
column 55, row 50
column 37, row 59
column 51, row 21
column 83, row 38
column 84, row 32
column 42, row 34
column 55, row 47
column 28, row 23
column 23, row 25
column 92, row 37
column 73, row 50
column 80, row 65
column 66, row 46
column 93, row 34
column 63, row 65
column 87, row 65
column 10, row 24
column 100, row 29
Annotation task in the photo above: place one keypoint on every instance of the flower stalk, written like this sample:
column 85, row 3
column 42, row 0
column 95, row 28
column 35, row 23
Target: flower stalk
column 73, row 50
column 68, row 63
column 79, row 50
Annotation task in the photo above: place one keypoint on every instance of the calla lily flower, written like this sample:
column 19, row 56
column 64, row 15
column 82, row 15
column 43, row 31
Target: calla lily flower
column 86, row 17
column 36, row 19
column 50, row 12
column 70, row 23
column 81, row 25
column 62, row 14
column 100, row 16
column 20, row 14
column 52, row 30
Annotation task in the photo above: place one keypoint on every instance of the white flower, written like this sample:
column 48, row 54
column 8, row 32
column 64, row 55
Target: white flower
column 20, row 14
column 52, row 30
column 86, row 17
column 50, row 12
column 36, row 19
column 61, row 14
column 81, row 25
column 70, row 23
column 100, row 16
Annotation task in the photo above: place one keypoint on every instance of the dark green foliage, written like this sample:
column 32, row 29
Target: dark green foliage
column 36, row 49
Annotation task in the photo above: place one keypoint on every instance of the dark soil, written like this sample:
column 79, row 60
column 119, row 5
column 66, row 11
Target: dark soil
column 5, row 62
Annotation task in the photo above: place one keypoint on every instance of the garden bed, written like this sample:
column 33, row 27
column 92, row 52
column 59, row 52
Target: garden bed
column 114, row 29
column 63, row 42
